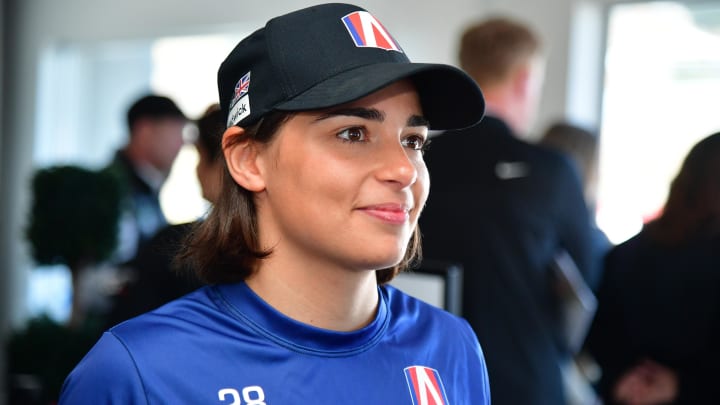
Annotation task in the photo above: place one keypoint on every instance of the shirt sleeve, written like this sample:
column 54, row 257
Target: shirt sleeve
column 478, row 383
column 106, row 375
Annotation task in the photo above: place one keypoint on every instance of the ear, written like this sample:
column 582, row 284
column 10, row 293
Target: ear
column 241, row 158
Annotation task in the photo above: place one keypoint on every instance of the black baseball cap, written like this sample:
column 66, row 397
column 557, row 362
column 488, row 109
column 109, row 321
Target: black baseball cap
column 331, row 54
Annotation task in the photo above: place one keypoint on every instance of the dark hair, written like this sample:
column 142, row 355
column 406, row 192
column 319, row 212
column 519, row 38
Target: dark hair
column 578, row 143
column 210, row 130
column 153, row 107
column 692, row 209
column 224, row 248
column 491, row 49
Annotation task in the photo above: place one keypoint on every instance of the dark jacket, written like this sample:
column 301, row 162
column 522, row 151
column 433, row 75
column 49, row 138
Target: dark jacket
column 142, row 215
column 661, row 303
column 156, row 280
column 502, row 208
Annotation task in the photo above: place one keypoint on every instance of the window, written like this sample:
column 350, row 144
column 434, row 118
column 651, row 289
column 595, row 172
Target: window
column 662, row 91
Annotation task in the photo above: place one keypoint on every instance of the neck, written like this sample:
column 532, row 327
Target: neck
column 512, row 100
column 324, row 297
column 503, row 107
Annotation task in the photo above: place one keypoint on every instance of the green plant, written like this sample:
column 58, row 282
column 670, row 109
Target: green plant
column 74, row 215
column 44, row 353
column 74, row 221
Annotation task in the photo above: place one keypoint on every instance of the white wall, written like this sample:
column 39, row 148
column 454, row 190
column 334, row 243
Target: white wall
column 426, row 33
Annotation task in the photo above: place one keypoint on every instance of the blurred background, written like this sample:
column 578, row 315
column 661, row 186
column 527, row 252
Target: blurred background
column 644, row 75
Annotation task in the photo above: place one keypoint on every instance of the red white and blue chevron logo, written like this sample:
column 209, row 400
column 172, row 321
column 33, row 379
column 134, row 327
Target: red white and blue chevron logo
column 426, row 387
column 366, row 31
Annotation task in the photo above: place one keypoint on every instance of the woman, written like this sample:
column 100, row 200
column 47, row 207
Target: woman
column 657, row 328
column 325, row 180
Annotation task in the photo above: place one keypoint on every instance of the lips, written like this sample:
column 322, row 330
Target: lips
column 390, row 213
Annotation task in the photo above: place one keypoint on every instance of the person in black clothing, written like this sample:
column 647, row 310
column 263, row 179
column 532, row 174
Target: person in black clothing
column 156, row 279
column 156, row 128
column 657, row 328
column 503, row 208
column 582, row 146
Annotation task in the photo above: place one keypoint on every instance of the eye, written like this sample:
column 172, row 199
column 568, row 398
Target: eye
column 415, row 142
column 352, row 134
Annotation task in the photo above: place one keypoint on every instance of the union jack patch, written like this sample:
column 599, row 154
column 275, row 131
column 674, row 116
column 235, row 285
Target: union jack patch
column 241, row 88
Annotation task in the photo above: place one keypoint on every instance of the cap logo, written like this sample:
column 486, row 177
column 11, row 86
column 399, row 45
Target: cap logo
column 366, row 31
column 240, row 104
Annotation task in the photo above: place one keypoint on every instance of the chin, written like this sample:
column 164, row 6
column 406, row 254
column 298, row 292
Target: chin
column 383, row 261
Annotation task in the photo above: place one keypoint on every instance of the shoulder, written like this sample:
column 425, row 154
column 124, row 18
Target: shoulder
column 119, row 165
column 444, row 336
column 124, row 364
column 411, row 314
column 433, row 328
column 627, row 248
column 173, row 324
column 551, row 162
column 107, row 374
column 192, row 308
column 624, row 259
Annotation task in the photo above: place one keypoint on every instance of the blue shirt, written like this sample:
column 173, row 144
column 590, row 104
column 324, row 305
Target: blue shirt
column 225, row 345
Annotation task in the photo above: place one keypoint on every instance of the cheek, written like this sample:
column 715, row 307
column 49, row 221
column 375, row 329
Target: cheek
column 319, row 188
column 172, row 137
column 323, row 179
column 168, row 145
column 421, row 188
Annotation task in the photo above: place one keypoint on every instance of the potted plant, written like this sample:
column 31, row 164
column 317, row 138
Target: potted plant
column 74, row 221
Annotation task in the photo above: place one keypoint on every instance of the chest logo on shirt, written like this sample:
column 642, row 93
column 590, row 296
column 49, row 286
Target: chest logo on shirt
column 511, row 170
column 426, row 387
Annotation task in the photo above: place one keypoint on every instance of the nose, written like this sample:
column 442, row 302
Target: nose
column 397, row 166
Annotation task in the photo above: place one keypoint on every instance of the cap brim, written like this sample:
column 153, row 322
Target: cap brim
column 449, row 97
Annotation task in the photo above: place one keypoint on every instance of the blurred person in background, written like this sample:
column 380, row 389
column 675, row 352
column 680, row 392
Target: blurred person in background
column 503, row 208
column 155, row 125
column 141, row 167
column 657, row 329
column 582, row 146
column 92, row 221
column 155, row 279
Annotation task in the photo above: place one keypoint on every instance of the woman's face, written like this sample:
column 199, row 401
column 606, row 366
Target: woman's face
column 344, row 186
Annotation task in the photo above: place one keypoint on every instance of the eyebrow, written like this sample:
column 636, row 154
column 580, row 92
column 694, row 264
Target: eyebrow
column 418, row 121
column 366, row 113
column 372, row 114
